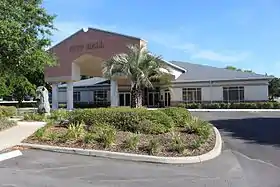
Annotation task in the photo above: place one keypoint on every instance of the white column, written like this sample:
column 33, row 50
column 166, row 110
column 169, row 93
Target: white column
column 114, row 93
column 70, row 95
column 54, row 96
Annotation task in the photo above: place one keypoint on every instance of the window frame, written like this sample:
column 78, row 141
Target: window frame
column 195, row 92
column 240, row 94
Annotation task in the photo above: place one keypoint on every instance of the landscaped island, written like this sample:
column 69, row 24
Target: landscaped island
column 163, row 132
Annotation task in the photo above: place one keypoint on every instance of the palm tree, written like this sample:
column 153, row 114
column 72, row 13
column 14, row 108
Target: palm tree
column 140, row 67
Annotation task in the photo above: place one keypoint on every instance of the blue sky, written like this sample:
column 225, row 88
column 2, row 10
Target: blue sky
column 244, row 34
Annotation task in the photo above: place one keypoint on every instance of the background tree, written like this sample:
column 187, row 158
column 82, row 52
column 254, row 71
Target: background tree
column 140, row 67
column 274, row 88
column 25, row 30
column 238, row 69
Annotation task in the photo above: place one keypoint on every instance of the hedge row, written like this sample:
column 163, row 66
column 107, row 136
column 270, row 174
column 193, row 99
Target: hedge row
column 125, row 119
column 259, row 105
column 7, row 111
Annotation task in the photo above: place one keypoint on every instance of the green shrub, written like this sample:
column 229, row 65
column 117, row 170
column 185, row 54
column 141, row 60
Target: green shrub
column 8, row 111
column 224, row 105
column 5, row 123
column 195, row 144
column 210, row 106
column 89, row 137
column 180, row 116
column 181, row 105
column 131, row 142
column 76, row 131
column 177, row 144
column 193, row 105
column 199, row 127
column 34, row 117
column 52, row 136
column 39, row 134
column 59, row 115
column 125, row 119
column 153, row 147
column 276, row 105
column 106, row 135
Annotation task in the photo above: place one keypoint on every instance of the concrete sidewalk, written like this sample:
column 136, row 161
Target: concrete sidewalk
column 13, row 136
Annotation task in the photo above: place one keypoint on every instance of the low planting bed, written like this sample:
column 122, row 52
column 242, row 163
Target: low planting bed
column 164, row 132
column 5, row 113
column 243, row 105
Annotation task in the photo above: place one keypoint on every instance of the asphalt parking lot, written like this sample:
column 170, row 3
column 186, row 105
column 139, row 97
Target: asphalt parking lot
column 250, row 157
column 254, row 134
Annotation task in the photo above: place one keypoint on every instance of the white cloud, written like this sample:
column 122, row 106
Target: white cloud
column 217, row 56
column 177, row 40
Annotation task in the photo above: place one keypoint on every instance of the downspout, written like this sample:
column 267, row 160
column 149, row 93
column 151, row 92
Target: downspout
column 210, row 91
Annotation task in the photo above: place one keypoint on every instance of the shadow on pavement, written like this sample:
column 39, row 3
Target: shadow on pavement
column 256, row 130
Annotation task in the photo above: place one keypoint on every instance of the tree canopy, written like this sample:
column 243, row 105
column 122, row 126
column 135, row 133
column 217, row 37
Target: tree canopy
column 25, row 30
column 140, row 67
column 274, row 88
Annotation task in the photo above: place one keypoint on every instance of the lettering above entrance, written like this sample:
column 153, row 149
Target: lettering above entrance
column 89, row 46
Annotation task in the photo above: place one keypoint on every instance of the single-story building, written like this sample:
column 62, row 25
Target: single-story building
column 84, row 52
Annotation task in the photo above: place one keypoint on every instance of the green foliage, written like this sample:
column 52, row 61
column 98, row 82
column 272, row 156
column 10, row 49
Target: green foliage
column 25, row 34
column 193, row 105
column 180, row 116
column 125, row 119
column 34, row 117
column 177, row 144
column 76, row 131
column 59, row 115
column 256, row 105
column 8, row 111
column 5, row 123
column 181, row 105
column 106, row 135
column 153, row 146
column 53, row 136
column 89, row 137
column 199, row 127
column 39, row 134
column 140, row 67
column 274, row 88
column 131, row 142
column 195, row 144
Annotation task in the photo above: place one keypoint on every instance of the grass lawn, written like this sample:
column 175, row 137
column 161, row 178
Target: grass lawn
column 163, row 132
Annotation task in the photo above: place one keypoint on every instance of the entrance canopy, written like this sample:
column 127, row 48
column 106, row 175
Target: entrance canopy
column 84, row 52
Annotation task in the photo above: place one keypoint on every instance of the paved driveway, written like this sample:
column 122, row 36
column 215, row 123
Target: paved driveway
column 254, row 134
column 235, row 167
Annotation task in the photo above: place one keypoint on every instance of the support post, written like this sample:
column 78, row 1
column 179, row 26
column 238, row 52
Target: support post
column 70, row 104
column 54, row 96
column 114, row 93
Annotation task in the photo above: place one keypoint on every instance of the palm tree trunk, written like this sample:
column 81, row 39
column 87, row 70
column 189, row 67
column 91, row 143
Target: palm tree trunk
column 136, row 97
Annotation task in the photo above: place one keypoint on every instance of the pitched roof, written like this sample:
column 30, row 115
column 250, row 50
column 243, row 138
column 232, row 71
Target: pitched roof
column 86, row 82
column 197, row 72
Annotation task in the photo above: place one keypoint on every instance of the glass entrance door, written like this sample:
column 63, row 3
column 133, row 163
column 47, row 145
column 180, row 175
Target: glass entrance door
column 167, row 98
column 153, row 99
column 124, row 99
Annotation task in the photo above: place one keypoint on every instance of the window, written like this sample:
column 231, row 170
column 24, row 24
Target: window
column 100, row 96
column 233, row 94
column 192, row 95
column 77, row 96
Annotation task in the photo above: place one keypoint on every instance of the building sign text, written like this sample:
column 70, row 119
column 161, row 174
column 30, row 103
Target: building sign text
column 89, row 46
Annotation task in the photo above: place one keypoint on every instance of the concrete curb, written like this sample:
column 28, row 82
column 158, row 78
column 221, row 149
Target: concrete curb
column 234, row 110
column 216, row 151
column 9, row 155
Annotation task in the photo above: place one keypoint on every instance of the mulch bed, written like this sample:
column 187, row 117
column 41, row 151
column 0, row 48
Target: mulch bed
column 118, row 146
